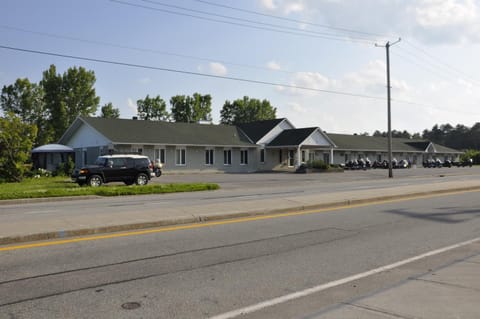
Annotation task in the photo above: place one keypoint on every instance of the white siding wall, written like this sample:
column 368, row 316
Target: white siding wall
column 87, row 137
column 284, row 125
column 316, row 139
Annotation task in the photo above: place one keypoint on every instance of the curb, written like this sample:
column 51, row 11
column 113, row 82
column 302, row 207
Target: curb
column 207, row 218
column 46, row 199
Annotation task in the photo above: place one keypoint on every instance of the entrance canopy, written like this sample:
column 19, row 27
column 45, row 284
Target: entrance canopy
column 52, row 148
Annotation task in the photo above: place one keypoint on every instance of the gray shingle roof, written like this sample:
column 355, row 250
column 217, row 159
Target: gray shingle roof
column 258, row 129
column 126, row 131
column 292, row 137
column 374, row 143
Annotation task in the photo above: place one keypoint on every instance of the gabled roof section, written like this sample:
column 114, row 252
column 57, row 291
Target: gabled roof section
column 374, row 143
column 126, row 131
column 444, row 149
column 297, row 137
column 420, row 144
column 258, row 129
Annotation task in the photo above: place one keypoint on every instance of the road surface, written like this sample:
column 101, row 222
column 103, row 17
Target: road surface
column 211, row 269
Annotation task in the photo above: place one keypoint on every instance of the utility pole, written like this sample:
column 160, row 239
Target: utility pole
column 387, row 48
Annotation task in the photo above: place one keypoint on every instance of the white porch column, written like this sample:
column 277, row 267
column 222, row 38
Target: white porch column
column 331, row 155
column 299, row 156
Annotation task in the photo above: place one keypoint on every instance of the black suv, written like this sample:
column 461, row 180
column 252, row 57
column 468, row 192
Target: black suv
column 115, row 168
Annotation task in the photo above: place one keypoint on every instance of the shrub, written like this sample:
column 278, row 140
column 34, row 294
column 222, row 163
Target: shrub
column 318, row 164
column 473, row 154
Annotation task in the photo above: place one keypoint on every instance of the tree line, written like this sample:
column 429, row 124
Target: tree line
column 39, row 113
column 53, row 104
column 35, row 114
column 459, row 137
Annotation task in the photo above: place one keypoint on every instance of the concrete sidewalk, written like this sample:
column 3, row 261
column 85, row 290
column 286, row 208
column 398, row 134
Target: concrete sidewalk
column 42, row 227
column 450, row 292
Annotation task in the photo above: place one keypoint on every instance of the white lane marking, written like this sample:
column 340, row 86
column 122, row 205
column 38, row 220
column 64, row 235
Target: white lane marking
column 40, row 212
column 309, row 291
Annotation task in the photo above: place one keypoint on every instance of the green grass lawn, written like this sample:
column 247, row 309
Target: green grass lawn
column 62, row 186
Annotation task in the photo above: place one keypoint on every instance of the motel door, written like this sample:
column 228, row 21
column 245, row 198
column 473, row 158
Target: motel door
column 291, row 158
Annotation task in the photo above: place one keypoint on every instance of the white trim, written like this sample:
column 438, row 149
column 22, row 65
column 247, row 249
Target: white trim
column 160, row 149
column 264, row 156
column 243, row 157
column 211, row 156
column 178, row 160
column 225, row 162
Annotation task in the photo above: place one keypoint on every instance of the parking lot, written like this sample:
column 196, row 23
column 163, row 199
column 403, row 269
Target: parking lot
column 334, row 180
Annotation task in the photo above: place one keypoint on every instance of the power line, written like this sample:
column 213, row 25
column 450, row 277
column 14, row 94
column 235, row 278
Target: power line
column 325, row 37
column 440, row 63
column 292, row 20
column 114, row 45
column 411, row 60
column 447, row 67
column 246, row 20
column 191, row 73
column 140, row 66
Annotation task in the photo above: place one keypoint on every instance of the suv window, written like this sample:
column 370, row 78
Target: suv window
column 101, row 161
column 142, row 162
column 119, row 162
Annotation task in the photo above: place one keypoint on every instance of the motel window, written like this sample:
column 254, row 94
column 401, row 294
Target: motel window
column 303, row 156
column 227, row 157
column 160, row 155
column 137, row 150
column 262, row 156
column 243, row 157
column 180, row 157
column 209, row 156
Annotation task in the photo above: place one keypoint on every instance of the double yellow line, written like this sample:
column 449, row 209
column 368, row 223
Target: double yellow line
column 217, row 223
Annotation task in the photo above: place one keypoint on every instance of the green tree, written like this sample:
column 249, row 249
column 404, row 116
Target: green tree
column 191, row 109
column 246, row 110
column 16, row 141
column 68, row 96
column 109, row 112
column 152, row 109
column 25, row 100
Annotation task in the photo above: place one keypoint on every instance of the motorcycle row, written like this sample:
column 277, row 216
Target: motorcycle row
column 438, row 163
column 366, row 164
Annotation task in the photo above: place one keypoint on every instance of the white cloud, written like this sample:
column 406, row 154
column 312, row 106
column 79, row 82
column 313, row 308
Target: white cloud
column 285, row 6
column 297, row 107
column 430, row 21
column 309, row 80
column 216, row 68
column 370, row 79
column 132, row 105
column 293, row 7
column 272, row 65
column 439, row 13
column 268, row 4
column 145, row 80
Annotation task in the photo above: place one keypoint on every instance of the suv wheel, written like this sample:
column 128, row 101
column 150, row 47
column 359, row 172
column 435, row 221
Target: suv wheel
column 141, row 179
column 95, row 181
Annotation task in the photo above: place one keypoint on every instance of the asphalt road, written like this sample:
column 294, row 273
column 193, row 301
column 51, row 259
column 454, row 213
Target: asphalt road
column 233, row 187
column 211, row 269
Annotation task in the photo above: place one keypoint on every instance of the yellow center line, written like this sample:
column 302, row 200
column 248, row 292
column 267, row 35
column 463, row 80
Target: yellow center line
column 221, row 222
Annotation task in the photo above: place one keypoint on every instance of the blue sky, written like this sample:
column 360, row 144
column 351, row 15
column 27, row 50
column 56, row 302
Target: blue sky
column 434, row 69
